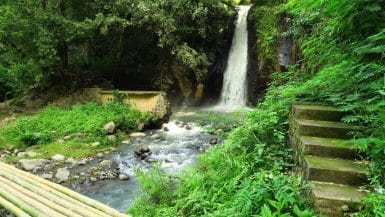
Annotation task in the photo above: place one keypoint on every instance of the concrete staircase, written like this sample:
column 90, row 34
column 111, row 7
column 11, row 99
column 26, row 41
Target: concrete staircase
column 328, row 161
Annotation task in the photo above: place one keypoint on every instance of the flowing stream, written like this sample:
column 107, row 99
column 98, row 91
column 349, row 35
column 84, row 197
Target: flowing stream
column 234, row 91
column 176, row 149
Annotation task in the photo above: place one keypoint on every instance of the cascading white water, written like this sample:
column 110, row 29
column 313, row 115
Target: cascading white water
column 234, row 91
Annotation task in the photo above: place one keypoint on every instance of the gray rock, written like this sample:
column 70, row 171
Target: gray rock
column 58, row 157
column 16, row 151
column 93, row 179
column 47, row 176
column 109, row 127
column 31, row 164
column 62, row 174
column 214, row 142
column 188, row 127
column 107, row 164
column 100, row 155
column 166, row 129
column 37, row 169
column 82, row 162
column 150, row 160
column 31, row 154
column 126, row 142
column 113, row 149
column 137, row 134
column 124, row 177
column 155, row 136
column 72, row 161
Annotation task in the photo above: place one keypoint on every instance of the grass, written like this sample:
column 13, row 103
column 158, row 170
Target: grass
column 82, row 124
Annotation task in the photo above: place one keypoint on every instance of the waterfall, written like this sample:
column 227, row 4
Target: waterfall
column 234, row 91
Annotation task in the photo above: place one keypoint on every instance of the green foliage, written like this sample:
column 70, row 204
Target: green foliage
column 246, row 176
column 56, row 122
column 49, row 42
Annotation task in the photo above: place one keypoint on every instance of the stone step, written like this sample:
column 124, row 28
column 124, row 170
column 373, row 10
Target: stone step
column 327, row 147
column 331, row 199
column 327, row 129
column 339, row 171
column 317, row 112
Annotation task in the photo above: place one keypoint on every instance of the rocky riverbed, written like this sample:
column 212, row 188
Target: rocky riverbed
column 110, row 176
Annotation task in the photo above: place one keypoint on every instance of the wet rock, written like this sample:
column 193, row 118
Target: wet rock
column 31, row 164
column 109, row 127
column 166, row 129
column 93, row 179
column 62, row 174
column 150, row 160
column 113, row 149
column 37, row 169
column 155, row 136
column 214, row 141
column 123, row 177
column 107, row 164
column 100, row 155
column 188, row 127
column 137, row 135
column 126, row 142
column 82, row 162
column 167, row 161
column 47, row 176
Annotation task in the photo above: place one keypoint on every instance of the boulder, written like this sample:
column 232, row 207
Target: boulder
column 123, row 177
column 109, row 128
column 31, row 164
column 62, row 174
column 107, row 164
column 155, row 136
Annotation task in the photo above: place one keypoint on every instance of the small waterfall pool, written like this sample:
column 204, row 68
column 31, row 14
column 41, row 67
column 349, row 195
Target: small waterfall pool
column 176, row 149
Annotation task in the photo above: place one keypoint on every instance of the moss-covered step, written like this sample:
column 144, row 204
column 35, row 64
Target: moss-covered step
column 334, row 200
column 328, row 147
column 339, row 171
column 317, row 112
column 328, row 129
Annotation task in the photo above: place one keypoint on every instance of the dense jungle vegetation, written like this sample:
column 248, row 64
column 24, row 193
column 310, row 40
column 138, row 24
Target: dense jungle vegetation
column 175, row 44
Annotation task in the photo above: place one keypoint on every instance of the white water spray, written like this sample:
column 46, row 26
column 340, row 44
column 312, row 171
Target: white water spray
column 234, row 91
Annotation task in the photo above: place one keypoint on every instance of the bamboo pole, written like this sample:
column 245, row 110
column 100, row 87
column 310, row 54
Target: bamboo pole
column 22, row 205
column 41, row 189
column 52, row 204
column 31, row 201
column 85, row 200
column 12, row 208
